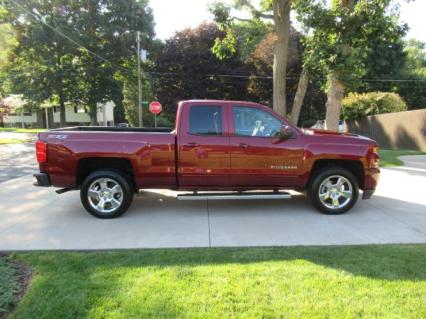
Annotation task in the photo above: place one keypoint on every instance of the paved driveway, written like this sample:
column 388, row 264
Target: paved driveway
column 38, row 218
column 17, row 160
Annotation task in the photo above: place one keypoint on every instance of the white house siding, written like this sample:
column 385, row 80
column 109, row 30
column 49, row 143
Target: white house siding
column 70, row 115
column 81, row 117
column 13, row 119
column 105, row 112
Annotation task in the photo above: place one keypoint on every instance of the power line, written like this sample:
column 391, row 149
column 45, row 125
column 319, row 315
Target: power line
column 130, row 72
column 241, row 76
column 254, row 76
column 38, row 19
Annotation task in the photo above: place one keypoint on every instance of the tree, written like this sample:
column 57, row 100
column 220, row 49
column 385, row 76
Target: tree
column 339, row 39
column 297, row 77
column 386, row 60
column 413, row 86
column 4, row 110
column 358, row 105
column 416, row 56
column 276, row 11
column 186, row 68
column 276, row 15
column 72, row 51
column 131, row 106
column 7, row 42
column 41, row 64
column 108, row 29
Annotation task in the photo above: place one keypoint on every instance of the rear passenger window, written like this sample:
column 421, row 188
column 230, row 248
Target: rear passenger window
column 205, row 120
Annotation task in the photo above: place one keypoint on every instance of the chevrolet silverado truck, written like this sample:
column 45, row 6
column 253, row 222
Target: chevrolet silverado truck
column 217, row 150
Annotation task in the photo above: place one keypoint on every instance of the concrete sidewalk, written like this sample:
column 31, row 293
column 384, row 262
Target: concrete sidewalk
column 38, row 218
column 414, row 161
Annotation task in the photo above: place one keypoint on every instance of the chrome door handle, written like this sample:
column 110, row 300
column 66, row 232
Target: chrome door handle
column 191, row 145
column 243, row 145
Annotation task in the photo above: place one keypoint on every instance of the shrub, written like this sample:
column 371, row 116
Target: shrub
column 357, row 105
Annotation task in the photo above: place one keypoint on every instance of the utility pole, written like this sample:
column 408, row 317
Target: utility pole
column 138, row 42
column 46, row 112
column 22, row 117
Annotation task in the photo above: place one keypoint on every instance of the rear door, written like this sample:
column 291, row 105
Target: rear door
column 203, row 144
column 258, row 158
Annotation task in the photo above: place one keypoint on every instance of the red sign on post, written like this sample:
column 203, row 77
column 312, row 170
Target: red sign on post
column 155, row 107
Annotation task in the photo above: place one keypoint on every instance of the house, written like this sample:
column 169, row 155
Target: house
column 48, row 115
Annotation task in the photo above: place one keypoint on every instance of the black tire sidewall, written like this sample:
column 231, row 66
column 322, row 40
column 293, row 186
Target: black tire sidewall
column 121, row 179
column 319, row 177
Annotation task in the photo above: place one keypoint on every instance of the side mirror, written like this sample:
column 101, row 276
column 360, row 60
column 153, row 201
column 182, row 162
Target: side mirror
column 285, row 133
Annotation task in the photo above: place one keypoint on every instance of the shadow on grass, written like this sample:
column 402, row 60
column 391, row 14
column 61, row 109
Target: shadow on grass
column 390, row 262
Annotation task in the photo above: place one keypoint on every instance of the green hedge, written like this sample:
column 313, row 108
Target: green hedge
column 357, row 105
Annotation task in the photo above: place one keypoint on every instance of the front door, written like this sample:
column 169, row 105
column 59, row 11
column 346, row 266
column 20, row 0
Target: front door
column 204, row 152
column 258, row 158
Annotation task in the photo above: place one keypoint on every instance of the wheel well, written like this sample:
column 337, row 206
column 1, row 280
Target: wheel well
column 86, row 166
column 354, row 166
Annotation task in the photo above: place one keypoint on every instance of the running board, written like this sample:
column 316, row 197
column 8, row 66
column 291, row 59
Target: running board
column 224, row 196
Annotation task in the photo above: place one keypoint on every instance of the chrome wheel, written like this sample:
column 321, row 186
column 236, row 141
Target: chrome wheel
column 335, row 192
column 105, row 195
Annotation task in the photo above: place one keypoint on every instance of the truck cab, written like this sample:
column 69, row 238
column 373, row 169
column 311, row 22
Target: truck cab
column 237, row 145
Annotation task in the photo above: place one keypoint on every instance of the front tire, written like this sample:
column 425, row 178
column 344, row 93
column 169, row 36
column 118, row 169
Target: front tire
column 333, row 190
column 106, row 194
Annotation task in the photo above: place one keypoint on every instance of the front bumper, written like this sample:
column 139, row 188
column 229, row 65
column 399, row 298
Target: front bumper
column 368, row 193
column 372, row 176
column 42, row 179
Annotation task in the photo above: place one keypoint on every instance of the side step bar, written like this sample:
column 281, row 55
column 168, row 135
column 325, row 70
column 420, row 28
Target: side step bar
column 222, row 196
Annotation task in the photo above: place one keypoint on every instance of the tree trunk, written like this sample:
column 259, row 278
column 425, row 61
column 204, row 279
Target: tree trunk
column 91, row 72
column 335, row 96
column 40, row 121
column 281, row 9
column 336, row 89
column 93, row 115
column 60, row 88
column 62, row 117
column 302, row 86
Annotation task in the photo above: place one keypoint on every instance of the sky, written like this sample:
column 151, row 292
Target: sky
column 174, row 15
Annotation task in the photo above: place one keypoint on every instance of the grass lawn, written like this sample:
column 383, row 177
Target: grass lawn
column 386, row 281
column 12, row 141
column 390, row 157
column 21, row 130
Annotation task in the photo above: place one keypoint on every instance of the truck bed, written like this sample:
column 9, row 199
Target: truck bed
column 115, row 129
column 149, row 152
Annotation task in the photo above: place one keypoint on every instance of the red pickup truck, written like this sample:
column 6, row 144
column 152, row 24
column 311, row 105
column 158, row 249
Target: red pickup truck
column 218, row 149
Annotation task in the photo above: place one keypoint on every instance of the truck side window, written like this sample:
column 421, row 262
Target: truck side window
column 250, row 121
column 205, row 120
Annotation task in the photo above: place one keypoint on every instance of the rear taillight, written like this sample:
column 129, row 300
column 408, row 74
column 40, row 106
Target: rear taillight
column 41, row 151
column 373, row 157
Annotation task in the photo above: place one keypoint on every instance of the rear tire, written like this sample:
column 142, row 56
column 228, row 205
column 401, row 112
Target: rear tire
column 333, row 190
column 106, row 194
